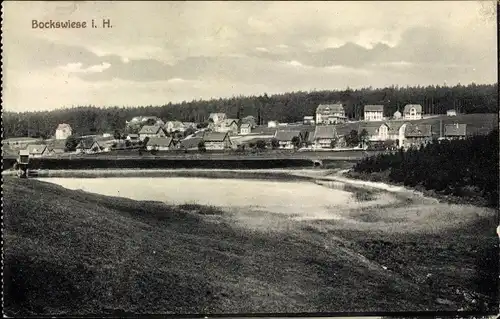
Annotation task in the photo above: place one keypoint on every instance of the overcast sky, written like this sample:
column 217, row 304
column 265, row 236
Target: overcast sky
column 158, row 52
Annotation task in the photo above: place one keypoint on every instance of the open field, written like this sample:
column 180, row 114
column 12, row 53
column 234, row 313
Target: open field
column 71, row 252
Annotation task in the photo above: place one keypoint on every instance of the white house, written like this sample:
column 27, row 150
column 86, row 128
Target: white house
column 308, row 120
column 63, row 131
column 217, row 117
column 387, row 131
column 323, row 136
column 37, row 150
column 172, row 126
column 272, row 124
column 451, row 113
column 374, row 112
column 285, row 138
column 330, row 114
column 397, row 115
column 412, row 112
column 245, row 128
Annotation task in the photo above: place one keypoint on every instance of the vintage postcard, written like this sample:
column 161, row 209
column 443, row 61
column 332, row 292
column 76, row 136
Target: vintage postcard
column 250, row 158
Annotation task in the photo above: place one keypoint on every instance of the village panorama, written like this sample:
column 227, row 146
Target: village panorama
column 314, row 177
column 250, row 159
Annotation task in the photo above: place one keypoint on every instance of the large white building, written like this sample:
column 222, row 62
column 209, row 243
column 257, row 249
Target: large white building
column 412, row 112
column 374, row 112
column 63, row 131
column 330, row 114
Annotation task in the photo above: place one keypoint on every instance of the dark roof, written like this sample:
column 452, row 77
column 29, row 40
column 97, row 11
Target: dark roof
column 190, row 143
column 87, row 143
column 330, row 107
column 373, row 127
column 418, row 130
column 160, row 141
column 287, row 135
column 374, row 108
column 455, row 129
column 215, row 137
column 417, row 107
column 327, row 131
column 56, row 144
column 36, row 148
column 149, row 129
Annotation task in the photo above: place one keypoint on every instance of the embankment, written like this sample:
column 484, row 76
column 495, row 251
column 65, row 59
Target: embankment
column 76, row 253
column 228, row 160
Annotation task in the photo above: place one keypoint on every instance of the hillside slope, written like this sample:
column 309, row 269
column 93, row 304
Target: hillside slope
column 71, row 252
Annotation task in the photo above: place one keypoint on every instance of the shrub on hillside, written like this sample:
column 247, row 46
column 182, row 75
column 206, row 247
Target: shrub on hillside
column 454, row 167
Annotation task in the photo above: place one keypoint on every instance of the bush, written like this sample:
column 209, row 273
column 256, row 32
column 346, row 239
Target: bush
column 436, row 166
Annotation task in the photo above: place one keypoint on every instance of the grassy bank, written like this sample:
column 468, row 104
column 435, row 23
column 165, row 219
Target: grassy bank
column 469, row 198
column 71, row 252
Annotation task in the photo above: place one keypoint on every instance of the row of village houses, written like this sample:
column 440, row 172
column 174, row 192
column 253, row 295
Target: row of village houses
column 403, row 134
column 335, row 113
column 326, row 114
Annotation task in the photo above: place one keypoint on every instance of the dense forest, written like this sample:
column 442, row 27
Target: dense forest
column 437, row 167
column 287, row 107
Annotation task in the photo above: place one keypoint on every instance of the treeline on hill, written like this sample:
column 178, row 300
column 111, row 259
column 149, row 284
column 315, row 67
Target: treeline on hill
column 288, row 107
column 463, row 168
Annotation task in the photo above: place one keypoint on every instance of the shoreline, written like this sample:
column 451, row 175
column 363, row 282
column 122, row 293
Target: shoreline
column 428, row 193
column 336, row 175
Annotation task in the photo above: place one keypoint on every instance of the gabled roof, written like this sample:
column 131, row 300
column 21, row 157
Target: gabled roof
column 175, row 123
column 373, row 127
column 36, row 148
column 286, row 135
column 191, row 143
column 418, row 130
column 63, row 126
column 215, row 137
column 55, row 144
column 150, row 129
column 246, row 125
column 330, row 108
column 327, row 131
column 417, row 107
column 86, row 143
column 228, row 122
column 160, row 141
column 455, row 129
column 374, row 108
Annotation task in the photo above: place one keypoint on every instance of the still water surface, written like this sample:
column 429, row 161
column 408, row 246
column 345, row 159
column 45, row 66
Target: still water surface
column 302, row 200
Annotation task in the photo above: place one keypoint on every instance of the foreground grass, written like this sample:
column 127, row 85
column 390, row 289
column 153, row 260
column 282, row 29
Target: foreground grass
column 71, row 252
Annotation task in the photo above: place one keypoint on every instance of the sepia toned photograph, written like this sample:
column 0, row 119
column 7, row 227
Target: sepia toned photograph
column 250, row 158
